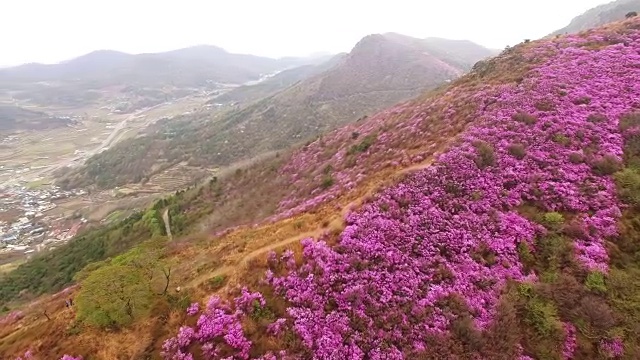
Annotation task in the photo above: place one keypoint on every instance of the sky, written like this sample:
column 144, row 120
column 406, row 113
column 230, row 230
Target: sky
column 50, row 31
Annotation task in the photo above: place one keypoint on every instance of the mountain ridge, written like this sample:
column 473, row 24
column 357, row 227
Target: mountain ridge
column 600, row 15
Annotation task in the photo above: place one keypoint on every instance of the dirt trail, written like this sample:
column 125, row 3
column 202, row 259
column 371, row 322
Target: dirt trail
column 336, row 223
column 167, row 223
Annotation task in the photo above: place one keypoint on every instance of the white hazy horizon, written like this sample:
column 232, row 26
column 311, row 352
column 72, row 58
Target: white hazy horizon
column 53, row 31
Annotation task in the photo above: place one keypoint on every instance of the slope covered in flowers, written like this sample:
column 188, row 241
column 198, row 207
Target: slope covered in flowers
column 504, row 228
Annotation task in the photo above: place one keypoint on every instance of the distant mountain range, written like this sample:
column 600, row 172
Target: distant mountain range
column 600, row 15
column 86, row 78
column 291, row 107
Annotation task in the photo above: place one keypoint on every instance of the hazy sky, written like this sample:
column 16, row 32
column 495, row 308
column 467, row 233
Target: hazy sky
column 55, row 30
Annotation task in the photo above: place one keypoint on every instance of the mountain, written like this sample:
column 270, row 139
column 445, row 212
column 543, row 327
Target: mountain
column 600, row 15
column 494, row 218
column 380, row 70
column 199, row 67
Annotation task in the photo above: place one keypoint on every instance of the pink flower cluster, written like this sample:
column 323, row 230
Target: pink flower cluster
column 28, row 355
column 11, row 317
column 612, row 348
column 570, row 344
column 193, row 309
column 218, row 331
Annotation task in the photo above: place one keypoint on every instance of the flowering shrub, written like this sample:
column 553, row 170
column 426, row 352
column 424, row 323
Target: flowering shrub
column 28, row 355
column 193, row 309
column 612, row 348
column 218, row 331
column 569, row 342
column 11, row 317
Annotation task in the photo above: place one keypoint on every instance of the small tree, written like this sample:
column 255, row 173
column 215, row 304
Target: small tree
column 631, row 14
column 113, row 296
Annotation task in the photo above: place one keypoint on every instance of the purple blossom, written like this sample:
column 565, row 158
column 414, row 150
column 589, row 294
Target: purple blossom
column 612, row 348
column 193, row 309
column 276, row 327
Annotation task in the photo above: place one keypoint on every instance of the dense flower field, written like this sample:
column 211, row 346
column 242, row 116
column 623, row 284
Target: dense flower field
column 453, row 229
column 449, row 236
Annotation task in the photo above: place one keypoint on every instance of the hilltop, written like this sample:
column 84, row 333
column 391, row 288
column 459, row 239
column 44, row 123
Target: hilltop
column 496, row 217
column 600, row 15
column 379, row 71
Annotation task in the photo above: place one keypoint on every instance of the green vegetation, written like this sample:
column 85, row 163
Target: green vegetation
column 116, row 293
column 114, row 296
column 56, row 269
column 518, row 151
column 486, row 154
column 595, row 282
column 363, row 145
column 601, row 306
column 553, row 220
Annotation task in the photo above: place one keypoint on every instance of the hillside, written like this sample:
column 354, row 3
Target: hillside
column 600, row 15
column 380, row 70
column 495, row 218
column 13, row 118
column 101, row 72
column 249, row 93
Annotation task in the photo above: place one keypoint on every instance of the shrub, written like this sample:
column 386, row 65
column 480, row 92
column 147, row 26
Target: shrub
column 585, row 100
column 363, row 146
column 629, row 120
column 576, row 157
column 518, row 151
column 113, row 296
column 595, row 282
column 216, row 282
column 628, row 181
column 631, row 14
column 486, row 154
column 561, row 139
column 606, row 165
column 597, row 118
column 327, row 182
column 552, row 220
column 542, row 315
column 575, row 229
column 355, row 135
column 526, row 256
column 544, row 106
column 525, row 118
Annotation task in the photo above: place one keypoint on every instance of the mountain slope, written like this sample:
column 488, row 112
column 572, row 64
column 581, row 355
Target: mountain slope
column 249, row 93
column 379, row 71
column 14, row 118
column 600, row 15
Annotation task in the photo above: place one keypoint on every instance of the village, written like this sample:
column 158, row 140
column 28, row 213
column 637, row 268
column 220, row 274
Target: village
column 25, row 225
